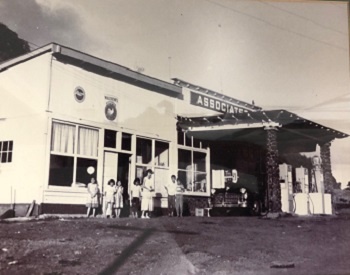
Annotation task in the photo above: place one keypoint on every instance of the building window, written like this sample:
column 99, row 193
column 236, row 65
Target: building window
column 110, row 139
column 185, row 140
column 153, row 154
column 144, row 151
column 74, row 149
column 126, row 142
column 162, row 154
column 6, row 149
column 192, row 170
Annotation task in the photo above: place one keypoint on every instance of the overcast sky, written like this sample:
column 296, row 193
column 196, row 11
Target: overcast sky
column 291, row 55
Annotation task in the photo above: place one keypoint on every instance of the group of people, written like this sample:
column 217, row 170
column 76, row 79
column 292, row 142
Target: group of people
column 113, row 198
column 141, row 195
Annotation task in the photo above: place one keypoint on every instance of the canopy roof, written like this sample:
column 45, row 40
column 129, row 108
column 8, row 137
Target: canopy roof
column 294, row 132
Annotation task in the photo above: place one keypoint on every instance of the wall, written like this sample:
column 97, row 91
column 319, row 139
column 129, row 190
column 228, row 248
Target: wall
column 140, row 110
column 24, row 96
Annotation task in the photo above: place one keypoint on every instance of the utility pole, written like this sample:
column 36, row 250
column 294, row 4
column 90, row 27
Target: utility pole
column 349, row 32
column 169, row 58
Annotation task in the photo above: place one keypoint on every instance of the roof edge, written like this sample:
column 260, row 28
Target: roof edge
column 220, row 96
column 90, row 62
column 23, row 58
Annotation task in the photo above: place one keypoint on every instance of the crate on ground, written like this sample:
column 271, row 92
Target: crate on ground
column 199, row 212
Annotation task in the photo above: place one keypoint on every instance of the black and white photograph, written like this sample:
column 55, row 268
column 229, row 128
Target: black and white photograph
column 174, row 137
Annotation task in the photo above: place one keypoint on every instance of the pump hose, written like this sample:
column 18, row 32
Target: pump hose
column 294, row 204
column 313, row 207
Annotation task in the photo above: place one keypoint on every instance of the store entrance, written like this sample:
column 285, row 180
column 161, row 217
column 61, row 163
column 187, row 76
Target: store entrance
column 123, row 173
column 117, row 167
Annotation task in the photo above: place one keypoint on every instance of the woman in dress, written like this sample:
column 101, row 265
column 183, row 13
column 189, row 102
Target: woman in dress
column 147, row 195
column 92, row 197
column 118, row 198
column 109, row 197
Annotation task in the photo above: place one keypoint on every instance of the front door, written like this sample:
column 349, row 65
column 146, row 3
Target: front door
column 117, row 167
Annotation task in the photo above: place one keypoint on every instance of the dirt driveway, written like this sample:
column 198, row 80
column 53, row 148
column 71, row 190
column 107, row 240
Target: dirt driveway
column 191, row 245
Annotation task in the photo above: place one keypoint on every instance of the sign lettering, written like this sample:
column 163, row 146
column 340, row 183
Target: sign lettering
column 215, row 104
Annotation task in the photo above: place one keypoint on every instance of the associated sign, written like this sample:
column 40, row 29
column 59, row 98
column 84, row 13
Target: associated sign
column 215, row 104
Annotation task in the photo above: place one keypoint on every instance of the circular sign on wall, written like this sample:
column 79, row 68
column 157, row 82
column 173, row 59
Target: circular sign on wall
column 111, row 110
column 79, row 94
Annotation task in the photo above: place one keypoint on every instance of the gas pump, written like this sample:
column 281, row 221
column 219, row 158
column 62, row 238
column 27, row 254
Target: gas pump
column 302, row 177
column 301, row 198
column 286, row 183
column 315, row 201
column 321, row 203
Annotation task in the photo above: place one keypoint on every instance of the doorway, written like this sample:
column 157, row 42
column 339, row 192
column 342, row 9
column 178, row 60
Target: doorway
column 117, row 166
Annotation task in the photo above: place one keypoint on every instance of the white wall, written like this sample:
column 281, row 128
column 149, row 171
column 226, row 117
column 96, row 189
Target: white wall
column 24, row 96
column 140, row 110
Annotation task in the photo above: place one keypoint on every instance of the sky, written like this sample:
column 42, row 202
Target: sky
column 292, row 55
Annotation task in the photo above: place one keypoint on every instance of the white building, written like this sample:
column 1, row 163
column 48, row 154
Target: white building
column 63, row 111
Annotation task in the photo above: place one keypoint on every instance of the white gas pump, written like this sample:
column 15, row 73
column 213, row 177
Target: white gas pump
column 315, row 201
column 286, row 183
column 301, row 198
column 320, row 203
column 302, row 177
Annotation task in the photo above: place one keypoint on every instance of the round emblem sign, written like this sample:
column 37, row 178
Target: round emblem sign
column 79, row 94
column 111, row 111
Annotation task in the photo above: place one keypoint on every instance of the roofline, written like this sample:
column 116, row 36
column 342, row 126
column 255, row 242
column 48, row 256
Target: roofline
column 226, row 119
column 25, row 57
column 220, row 96
column 99, row 66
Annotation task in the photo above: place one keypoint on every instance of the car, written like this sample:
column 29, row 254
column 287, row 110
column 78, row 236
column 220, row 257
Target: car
column 243, row 196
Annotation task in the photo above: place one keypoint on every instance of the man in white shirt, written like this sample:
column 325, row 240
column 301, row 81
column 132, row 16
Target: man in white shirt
column 171, row 189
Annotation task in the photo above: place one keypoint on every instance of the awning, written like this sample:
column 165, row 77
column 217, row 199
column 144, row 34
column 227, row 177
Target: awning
column 294, row 132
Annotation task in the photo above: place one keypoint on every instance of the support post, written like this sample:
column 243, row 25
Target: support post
column 329, row 181
column 272, row 169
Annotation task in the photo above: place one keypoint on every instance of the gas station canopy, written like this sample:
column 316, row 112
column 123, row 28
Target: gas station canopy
column 294, row 133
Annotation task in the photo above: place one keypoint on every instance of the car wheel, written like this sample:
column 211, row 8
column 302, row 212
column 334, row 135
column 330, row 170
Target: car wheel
column 255, row 209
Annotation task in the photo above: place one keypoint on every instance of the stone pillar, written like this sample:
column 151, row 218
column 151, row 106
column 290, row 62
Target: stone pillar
column 329, row 181
column 272, row 170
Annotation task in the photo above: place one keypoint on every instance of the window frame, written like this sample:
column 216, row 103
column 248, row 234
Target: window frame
column 75, row 155
column 8, row 151
column 193, row 172
column 153, row 163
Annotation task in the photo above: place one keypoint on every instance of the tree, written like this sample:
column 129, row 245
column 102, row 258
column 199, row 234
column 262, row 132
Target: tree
column 296, row 160
column 11, row 45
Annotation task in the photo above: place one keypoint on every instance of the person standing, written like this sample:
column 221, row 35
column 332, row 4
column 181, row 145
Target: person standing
column 135, row 194
column 171, row 190
column 92, row 197
column 109, row 197
column 147, row 195
column 118, row 199
column 179, row 200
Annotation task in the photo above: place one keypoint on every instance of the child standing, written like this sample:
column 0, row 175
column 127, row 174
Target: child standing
column 92, row 197
column 109, row 197
column 179, row 201
column 118, row 198
column 135, row 194
column 171, row 189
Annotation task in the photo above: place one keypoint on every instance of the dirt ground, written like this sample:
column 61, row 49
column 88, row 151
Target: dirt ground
column 164, row 245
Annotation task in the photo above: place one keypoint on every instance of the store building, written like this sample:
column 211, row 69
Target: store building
column 66, row 116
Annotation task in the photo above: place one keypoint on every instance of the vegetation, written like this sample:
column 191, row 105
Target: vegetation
column 11, row 45
column 296, row 160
